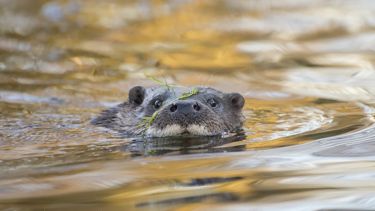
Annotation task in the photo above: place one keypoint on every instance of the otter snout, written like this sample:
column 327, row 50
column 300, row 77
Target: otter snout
column 185, row 107
column 183, row 117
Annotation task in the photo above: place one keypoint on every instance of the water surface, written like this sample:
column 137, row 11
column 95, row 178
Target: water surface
column 304, row 67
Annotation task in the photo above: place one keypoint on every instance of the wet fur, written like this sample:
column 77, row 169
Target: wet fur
column 127, row 117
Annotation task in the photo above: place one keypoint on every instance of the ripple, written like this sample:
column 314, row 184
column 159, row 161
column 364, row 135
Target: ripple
column 16, row 97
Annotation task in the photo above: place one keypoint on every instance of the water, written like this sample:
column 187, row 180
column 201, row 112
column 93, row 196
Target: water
column 304, row 67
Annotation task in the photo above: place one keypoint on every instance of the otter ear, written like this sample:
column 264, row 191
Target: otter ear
column 137, row 95
column 236, row 100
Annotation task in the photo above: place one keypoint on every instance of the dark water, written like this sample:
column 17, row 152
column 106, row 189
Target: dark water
column 305, row 68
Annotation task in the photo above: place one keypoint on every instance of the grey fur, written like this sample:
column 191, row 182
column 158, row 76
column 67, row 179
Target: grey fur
column 128, row 117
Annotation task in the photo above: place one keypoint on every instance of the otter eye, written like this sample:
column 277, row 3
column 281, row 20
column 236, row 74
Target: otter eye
column 158, row 104
column 212, row 102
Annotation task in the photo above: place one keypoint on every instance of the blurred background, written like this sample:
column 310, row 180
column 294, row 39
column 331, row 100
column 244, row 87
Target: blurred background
column 292, row 44
column 306, row 69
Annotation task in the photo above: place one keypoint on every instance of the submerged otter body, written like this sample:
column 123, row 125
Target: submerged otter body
column 174, row 111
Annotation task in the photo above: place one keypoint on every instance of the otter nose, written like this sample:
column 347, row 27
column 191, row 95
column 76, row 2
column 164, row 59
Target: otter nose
column 185, row 107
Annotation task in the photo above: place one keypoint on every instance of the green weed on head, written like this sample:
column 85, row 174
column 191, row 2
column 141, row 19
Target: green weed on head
column 186, row 95
column 148, row 120
column 162, row 83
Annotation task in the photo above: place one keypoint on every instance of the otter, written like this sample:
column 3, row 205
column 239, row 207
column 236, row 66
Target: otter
column 164, row 111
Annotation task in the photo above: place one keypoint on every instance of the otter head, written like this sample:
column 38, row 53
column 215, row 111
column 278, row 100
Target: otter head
column 160, row 112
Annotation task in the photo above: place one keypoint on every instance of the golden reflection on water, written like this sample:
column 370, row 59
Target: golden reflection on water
column 304, row 67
